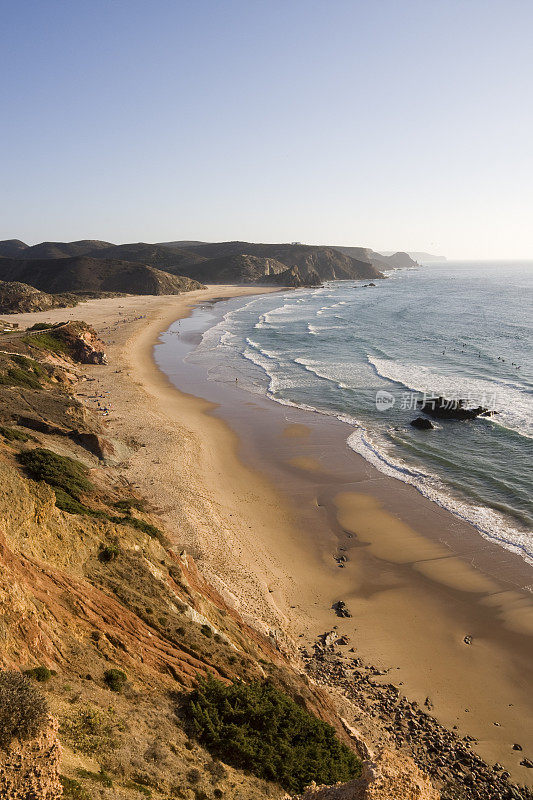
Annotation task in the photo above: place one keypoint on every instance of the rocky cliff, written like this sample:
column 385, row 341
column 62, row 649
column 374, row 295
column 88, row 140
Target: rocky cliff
column 326, row 262
column 18, row 297
column 243, row 268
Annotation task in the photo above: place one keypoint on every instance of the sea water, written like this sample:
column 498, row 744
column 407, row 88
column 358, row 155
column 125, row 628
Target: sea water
column 367, row 354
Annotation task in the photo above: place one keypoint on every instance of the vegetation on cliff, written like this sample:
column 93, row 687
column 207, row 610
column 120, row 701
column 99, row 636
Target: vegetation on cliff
column 23, row 709
column 257, row 728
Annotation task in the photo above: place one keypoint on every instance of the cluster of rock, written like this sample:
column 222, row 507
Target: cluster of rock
column 448, row 759
column 441, row 408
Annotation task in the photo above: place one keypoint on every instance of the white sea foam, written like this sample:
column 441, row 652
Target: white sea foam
column 488, row 522
column 514, row 406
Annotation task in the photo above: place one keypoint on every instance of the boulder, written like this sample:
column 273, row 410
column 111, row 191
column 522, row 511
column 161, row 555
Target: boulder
column 441, row 408
column 422, row 424
column 340, row 609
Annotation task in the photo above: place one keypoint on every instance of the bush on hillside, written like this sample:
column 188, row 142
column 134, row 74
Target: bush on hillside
column 23, row 709
column 61, row 472
column 41, row 674
column 115, row 679
column 259, row 729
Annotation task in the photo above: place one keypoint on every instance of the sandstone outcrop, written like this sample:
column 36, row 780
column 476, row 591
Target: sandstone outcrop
column 30, row 770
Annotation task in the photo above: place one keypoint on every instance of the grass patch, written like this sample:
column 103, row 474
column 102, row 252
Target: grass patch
column 13, row 435
column 138, row 787
column 99, row 777
column 15, row 376
column 257, row 728
column 88, row 730
column 127, row 505
column 141, row 525
column 44, row 326
column 25, row 372
column 46, row 341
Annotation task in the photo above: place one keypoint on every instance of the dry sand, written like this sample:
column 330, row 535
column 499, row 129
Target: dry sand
column 412, row 600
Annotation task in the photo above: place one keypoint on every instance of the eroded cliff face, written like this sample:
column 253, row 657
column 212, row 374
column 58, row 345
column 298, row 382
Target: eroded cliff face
column 30, row 770
column 389, row 776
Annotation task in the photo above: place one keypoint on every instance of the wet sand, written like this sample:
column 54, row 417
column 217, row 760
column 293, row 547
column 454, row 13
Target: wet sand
column 266, row 496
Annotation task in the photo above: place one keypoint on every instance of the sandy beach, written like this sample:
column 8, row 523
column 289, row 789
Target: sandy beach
column 267, row 533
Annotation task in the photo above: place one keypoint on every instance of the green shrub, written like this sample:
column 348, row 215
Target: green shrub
column 23, row 709
column 127, row 505
column 13, row 435
column 67, row 503
column 115, row 679
column 41, row 674
column 88, row 730
column 141, row 525
column 259, row 729
column 29, row 365
column 60, row 472
column 206, row 630
column 108, row 553
column 72, row 789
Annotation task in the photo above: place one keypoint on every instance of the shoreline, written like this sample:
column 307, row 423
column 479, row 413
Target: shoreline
column 285, row 574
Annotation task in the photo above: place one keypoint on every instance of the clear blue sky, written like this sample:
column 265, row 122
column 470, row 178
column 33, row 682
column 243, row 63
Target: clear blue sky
column 395, row 124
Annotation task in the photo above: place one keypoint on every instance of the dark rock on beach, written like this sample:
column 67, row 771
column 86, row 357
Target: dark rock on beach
column 340, row 609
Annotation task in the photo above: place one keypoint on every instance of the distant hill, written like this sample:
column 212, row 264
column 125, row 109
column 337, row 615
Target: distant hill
column 12, row 248
column 18, row 297
column 379, row 260
column 184, row 244
column 165, row 257
column 427, row 257
column 250, row 269
column 421, row 257
column 61, row 249
column 311, row 260
column 87, row 274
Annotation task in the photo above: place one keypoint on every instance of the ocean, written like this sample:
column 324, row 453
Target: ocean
column 366, row 354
